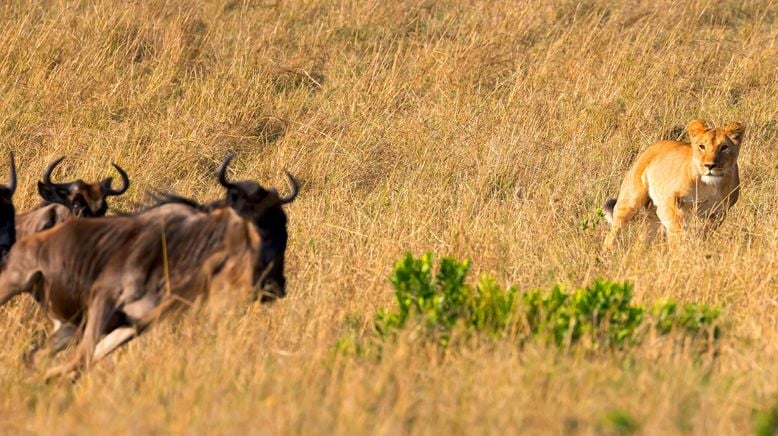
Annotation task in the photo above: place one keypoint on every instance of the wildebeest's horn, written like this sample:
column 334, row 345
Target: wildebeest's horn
column 295, row 189
column 222, row 172
column 50, row 169
column 12, row 178
column 125, row 183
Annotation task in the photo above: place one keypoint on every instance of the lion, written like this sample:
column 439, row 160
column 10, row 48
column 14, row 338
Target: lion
column 673, row 179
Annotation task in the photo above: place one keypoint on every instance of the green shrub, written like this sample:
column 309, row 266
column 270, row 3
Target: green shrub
column 443, row 300
column 621, row 423
column 693, row 318
column 601, row 312
column 766, row 422
column 439, row 300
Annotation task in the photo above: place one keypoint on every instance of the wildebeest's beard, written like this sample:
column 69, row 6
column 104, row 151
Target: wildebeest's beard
column 7, row 223
column 263, row 208
column 8, row 213
column 269, row 270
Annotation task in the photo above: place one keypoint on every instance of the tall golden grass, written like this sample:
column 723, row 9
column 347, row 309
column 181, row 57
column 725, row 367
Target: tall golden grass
column 483, row 129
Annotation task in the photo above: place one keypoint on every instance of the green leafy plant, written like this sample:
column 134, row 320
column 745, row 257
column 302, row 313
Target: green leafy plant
column 438, row 300
column 766, row 422
column 693, row 318
column 621, row 423
column 602, row 312
column 591, row 222
column 442, row 300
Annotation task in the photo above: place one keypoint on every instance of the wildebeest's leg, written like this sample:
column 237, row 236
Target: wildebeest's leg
column 113, row 340
column 59, row 340
column 142, row 313
column 98, row 316
column 13, row 282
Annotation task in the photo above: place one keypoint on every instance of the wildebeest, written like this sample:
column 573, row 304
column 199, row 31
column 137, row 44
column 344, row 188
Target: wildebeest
column 115, row 275
column 62, row 201
column 7, row 212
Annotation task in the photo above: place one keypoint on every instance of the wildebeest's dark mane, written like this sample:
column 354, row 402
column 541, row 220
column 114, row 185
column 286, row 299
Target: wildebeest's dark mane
column 161, row 198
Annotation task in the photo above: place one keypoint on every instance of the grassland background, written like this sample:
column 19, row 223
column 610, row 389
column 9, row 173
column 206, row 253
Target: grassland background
column 483, row 129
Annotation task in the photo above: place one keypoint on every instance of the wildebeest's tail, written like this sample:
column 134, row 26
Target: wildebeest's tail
column 608, row 209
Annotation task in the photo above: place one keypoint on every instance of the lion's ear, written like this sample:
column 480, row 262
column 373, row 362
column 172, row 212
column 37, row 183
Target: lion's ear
column 735, row 131
column 696, row 128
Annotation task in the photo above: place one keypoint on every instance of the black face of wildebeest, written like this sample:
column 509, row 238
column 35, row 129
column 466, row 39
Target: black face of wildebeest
column 264, row 209
column 7, row 213
column 83, row 199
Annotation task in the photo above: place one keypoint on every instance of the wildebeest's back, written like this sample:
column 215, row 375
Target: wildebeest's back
column 40, row 219
column 175, row 262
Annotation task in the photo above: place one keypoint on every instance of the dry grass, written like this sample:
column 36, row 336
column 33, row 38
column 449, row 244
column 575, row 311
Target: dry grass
column 484, row 129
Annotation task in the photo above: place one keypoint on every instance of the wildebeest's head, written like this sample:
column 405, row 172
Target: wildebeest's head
column 7, row 212
column 83, row 199
column 263, row 208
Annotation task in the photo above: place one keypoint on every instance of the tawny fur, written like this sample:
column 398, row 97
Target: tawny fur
column 673, row 179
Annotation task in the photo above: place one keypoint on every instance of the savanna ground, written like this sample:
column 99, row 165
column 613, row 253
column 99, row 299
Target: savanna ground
column 492, row 130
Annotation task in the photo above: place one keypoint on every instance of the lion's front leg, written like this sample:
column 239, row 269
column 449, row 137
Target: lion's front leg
column 712, row 223
column 654, row 227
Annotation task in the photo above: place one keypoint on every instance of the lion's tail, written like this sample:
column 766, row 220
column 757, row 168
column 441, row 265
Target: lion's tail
column 608, row 209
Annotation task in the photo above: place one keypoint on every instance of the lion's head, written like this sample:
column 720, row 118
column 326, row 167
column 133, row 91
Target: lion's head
column 715, row 151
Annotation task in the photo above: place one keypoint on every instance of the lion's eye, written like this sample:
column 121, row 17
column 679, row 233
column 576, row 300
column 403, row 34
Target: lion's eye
column 724, row 148
column 701, row 147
